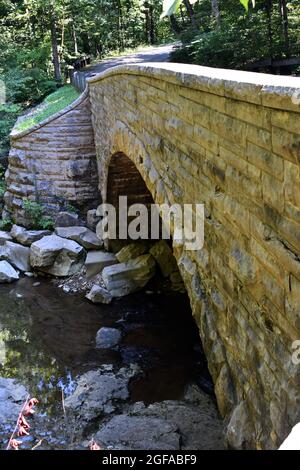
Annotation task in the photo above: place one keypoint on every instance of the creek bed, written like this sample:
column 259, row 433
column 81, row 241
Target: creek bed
column 47, row 341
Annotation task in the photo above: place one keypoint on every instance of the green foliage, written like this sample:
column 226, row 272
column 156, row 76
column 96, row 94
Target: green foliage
column 8, row 116
column 35, row 213
column 5, row 224
column 170, row 7
column 241, row 39
column 52, row 104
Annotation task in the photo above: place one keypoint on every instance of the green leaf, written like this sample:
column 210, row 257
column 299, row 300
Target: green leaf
column 245, row 3
column 170, row 7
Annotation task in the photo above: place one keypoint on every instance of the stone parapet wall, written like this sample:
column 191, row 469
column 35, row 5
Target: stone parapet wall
column 54, row 163
column 230, row 140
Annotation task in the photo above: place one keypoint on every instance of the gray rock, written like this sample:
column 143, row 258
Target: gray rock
column 82, row 235
column 99, row 391
column 27, row 237
column 164, row 257
column 107, row 338
column 132, row 251
column 57, row 256
column 7, row 272
column 96, row 261
column 67, row 219
column 98, row 295
column 125, row 278
column 12, row 397
column 4, row 237
column 92, row 219
column 17, row 255
column 139, row 433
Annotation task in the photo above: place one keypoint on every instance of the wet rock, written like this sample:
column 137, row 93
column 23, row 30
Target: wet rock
column 107, row 338
column 125, row 278
column 4, row 237
column 177, row 284
column 7, row 273
column 99, row 391
column 67, row 219
column 57, row 256
column 17, row 255
column 125, row 432
column 164, row 257
column 92, row 219
column 96, row 261
column 98, row 295
column 12, row 396
column 27, row 237
column 132, row 251
column 82, row 235
column 240, row 427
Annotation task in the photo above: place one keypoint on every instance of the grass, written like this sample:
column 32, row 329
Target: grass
column 51, row 105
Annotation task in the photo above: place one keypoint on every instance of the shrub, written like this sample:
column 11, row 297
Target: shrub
column 35, row 212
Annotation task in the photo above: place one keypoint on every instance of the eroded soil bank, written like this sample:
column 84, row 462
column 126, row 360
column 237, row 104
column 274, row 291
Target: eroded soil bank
column 151, row 391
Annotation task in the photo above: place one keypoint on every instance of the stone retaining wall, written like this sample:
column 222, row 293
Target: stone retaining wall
column 54, row 163
column 230, row 140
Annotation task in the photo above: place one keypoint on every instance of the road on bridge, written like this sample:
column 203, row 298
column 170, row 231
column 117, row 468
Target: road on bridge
column 153, row 54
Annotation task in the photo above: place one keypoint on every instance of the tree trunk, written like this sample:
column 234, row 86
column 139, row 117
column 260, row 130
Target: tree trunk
column 174, row 25
column 216, row 13
column 285, row 25
column 55, row 54
column 74, row 36
column 269, row 5
column 190, row 13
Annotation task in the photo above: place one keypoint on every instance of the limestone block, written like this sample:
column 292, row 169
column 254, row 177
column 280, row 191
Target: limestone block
column 7, row 273
column 98, row 295
column 82, row 235
column 96, row 261
column 27, row 237
column 17, row 255
column 125, row 278
column 132, row 251
column 4, row 237
column 57, row 256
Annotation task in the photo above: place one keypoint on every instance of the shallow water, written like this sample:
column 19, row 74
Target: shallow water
column 47, row 339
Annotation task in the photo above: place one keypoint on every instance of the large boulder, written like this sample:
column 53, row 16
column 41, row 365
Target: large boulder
column 68, row 219
column 82, row 235
column 7, row 273
column 125, row 278
column 96, row 261
column 17, row 255
column 57, row 256
column 98, row 295
column 27, row 237
column 132, row 251
column 4, row 237
column 164, row 257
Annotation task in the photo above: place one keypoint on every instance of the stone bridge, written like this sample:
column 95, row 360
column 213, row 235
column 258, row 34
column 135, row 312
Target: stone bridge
column 231, row 140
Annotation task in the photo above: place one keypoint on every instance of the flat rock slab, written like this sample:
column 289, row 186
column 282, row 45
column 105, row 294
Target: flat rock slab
column 125, row 432
column 99, row 295
column 27, row 237
column 99, row 391
column 57, row 256
column 107, row 338
column 82, row 235
column 17, row 255
column 189, row 424
column 7, row 273
column 67, row 219
column 96, row 261
column 125, row 278
column 4, row 237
